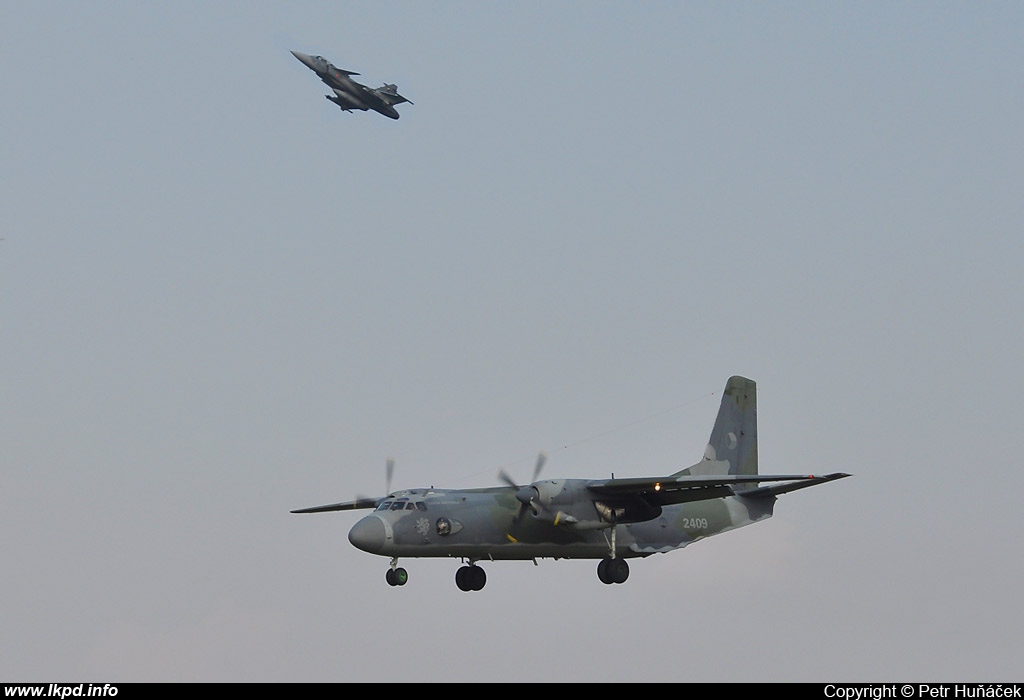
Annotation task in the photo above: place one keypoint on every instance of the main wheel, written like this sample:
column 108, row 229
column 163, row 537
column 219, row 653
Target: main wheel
column 618, row 570
column 613, row 570
column 478, row 578
column 470, row 578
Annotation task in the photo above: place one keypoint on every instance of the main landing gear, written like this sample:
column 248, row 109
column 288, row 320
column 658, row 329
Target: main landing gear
column 613, row 570
column 470, row 578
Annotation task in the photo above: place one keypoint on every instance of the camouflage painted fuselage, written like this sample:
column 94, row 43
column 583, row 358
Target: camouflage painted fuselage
column 490, row 524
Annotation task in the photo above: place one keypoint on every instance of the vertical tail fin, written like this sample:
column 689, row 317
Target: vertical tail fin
column 732, row 448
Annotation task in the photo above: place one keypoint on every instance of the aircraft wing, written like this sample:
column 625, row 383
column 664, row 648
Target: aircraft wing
column 663, row 491
column 346, row 505
column 371, row 98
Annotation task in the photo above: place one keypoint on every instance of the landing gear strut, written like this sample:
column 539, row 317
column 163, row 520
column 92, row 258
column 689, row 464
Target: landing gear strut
column 396, row 575
column 612, row 569
column 470, row 578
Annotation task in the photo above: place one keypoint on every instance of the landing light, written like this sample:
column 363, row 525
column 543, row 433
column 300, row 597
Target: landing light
column 657, row 486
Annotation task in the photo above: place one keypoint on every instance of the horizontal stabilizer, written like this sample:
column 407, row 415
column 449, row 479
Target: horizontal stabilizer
column 776, row 489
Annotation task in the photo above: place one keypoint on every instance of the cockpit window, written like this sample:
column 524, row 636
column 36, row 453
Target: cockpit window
column 402, row 504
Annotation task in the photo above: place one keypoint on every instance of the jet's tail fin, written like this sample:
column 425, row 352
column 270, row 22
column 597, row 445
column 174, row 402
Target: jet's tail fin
column 732, row 448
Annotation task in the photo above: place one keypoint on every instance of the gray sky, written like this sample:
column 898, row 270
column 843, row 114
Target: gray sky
column 221, row 298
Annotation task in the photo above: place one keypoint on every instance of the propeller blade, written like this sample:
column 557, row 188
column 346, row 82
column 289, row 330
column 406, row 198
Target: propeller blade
column 525, row 494
column 503, row 475
column 390, row 471
column 541, row 459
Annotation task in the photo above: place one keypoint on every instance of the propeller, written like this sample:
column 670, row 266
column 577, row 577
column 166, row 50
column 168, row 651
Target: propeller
column 389, row 471
column 526, row 494
column 362, row 500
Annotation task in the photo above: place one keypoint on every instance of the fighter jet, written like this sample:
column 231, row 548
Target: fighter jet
column 349, row 94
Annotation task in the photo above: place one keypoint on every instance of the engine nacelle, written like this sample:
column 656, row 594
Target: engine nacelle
column 568, row 503
column 556, row 502
column 551, row 495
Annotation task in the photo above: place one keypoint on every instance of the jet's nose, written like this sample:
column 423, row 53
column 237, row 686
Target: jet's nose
column 368, row 534
column 304, row 57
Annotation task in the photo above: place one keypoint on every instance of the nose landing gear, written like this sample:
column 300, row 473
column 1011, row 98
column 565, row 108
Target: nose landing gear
column 396, row 575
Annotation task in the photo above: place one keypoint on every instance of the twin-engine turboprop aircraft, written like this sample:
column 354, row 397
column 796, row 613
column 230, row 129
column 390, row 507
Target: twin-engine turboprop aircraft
column 610, row 520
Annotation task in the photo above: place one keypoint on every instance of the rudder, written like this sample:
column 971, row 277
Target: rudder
column 732, row 448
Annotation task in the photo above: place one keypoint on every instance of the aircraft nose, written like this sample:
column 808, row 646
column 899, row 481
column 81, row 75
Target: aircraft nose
column 368, row 534
column 305, row 58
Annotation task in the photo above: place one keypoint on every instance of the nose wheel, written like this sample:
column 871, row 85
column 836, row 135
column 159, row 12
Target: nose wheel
column 470, row 578
column 396, row 575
